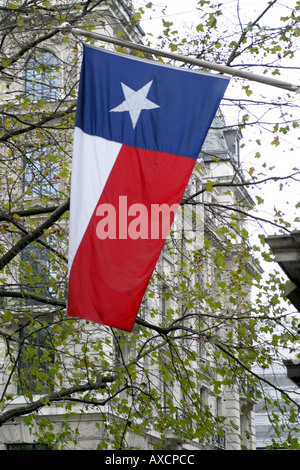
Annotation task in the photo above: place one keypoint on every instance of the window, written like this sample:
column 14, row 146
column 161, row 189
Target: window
column 121, row 350
column 42, row 76
column 143, row 309
column 38, row 271
column 41, row 171
column 36, row 357
column 165, row 303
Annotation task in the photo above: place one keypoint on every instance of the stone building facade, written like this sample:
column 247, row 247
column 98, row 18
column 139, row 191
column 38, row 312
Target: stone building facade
column 218, row 163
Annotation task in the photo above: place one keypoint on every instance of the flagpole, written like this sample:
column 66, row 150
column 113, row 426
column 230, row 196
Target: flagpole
column 188, row 60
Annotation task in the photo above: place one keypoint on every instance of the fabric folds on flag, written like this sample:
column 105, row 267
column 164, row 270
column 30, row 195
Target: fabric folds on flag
column 139, row 129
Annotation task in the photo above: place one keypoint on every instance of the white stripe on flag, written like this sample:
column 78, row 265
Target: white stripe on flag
column 93, row 159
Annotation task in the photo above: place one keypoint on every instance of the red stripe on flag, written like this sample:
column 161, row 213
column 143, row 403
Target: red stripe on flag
column 108, row 277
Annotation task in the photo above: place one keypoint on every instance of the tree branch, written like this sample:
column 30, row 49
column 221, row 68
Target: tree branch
column 241, row 184
column 257, row 376
column 28, row 295
column 27, row 212
column 34, row 235
column 234, row 53
column 14, row 222
column 43, row 121
column 52, row 397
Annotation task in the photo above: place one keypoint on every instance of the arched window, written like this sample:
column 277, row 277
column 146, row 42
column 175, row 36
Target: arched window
column 42, row 76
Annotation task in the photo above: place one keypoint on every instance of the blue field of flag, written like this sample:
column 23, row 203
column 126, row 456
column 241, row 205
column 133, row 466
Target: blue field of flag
column 145, row 104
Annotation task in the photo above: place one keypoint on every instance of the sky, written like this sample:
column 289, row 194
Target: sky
column 283, row 158
column 185, row 15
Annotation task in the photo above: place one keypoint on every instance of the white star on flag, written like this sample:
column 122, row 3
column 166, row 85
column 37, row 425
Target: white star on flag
column 135, row 102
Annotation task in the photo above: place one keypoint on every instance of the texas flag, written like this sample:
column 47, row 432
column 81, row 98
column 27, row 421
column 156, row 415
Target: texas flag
column 139, row 129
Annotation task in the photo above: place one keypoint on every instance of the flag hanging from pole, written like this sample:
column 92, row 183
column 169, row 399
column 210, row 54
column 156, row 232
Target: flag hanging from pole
column 139, row 129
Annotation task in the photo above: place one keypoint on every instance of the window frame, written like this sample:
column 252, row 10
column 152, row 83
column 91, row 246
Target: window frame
column 41, row 82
